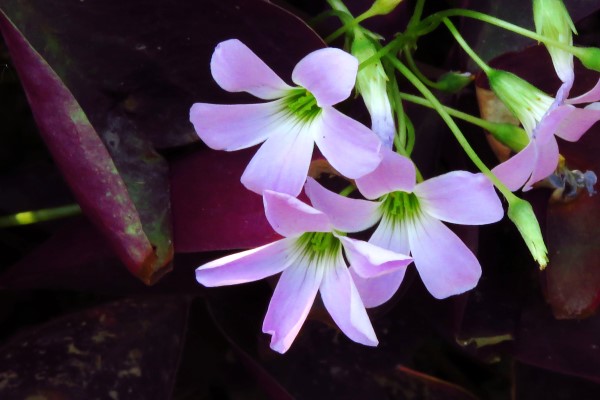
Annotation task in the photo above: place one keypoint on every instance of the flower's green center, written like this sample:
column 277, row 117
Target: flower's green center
column 302, row 104
column 400, row 206
column 319, row 245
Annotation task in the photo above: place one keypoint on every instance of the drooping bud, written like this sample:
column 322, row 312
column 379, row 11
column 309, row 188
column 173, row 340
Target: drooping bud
column 509, row 135
column 521, row 214
column 525, row 101
column 589, row 57
column 383, row 7
column 553, row 21
column 371, row 83
column 452, row 82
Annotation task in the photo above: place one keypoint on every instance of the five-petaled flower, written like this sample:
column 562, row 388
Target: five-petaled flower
column 410, row 217
column 311, row 258
column 290, row 124
column 542, row 117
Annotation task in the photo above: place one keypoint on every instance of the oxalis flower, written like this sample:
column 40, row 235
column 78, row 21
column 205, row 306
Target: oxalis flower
column 410, row 216
column 311, row 257
column 542, row 117
column 290, row 125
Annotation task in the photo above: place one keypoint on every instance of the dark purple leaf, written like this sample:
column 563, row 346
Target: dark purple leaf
column 85, row 162
column 109, row 352
column 211, row 208
column 151, row 61
column 534, row 383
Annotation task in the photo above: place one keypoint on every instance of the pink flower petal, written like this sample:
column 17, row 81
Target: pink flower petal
column 290, row 217
column 592, row 95
column 235, row 127
column 247, row 266
column 329, row 74
column 370, row 261
column 237, row 69
column 446, row 266
column 460, row 197
column 344, row 304
column 578, row 122
column 350, row 147
column 376, row 291
column 346, row 214
column 281, row 164
column 396, row 173
column 546, row 162
column 515, row 171
column 292, row 299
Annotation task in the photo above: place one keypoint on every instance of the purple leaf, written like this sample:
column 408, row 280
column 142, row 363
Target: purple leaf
column 211, row 208
column 84, row 160
column 111, row 351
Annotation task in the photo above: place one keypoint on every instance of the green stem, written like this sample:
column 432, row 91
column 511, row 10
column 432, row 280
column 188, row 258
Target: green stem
column 484, row 67
column 434, row 19
column 416, row 17
column 391, row 47
column 413, row 67
column 347, row 190
column 487, row 125
column 404, row 70
column 46, row 214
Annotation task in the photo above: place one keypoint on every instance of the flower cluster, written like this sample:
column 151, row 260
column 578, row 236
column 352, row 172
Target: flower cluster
column 320, row 251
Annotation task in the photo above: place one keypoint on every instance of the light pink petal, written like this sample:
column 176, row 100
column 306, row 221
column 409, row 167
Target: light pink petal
column 549, row 124
column 292, row 299
column 460, row 197
column 446, row 266
column 344, row 304
column 290, row 217
column 346, row 214
column 247, row 266
column 370, row 261
column 515, row 171
column 588, row 97
column 235, row 127
column 376, row 291
column 578, row 122
column 396, row 173
column 281, row 164
column 350, row 147
column 237, row 69
column 547, row 161
column 329, row 74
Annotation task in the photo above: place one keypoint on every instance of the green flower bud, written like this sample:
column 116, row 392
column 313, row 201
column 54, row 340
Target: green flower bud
column 589, row 57
column 509, row 135
column 553, row 21
column 452, row 82
column 521, row 214
column 383, row 7
column 525, row 101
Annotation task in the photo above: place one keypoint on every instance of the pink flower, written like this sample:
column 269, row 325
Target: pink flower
column 290, row 124
column 312, row 261
column 542, row 117
column 410, row 217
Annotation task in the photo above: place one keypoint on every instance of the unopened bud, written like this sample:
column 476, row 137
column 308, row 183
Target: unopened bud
column 521, row 214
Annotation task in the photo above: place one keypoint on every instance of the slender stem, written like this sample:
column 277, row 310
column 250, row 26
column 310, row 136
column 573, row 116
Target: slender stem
column 46, row 214
column 484, row 67
column 416, row 17
column 347, row 190
column 404, row 70
column 457, row 12
column 487, row 125
column 413, row 67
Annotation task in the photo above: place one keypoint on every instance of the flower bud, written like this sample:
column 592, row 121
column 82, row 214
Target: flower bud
column 589, row 57
column 525, row 101
column 371, row 83
column 509, row 135
column 452, row 82
column 383, row 7
column 521, row 214
column 553, row 21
